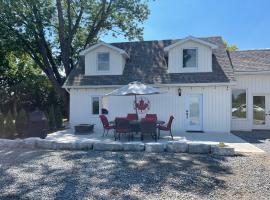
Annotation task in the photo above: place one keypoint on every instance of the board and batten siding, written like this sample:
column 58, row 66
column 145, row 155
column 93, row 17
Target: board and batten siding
column 254, row 84
column 175, row 62
column 216, row 106
column 117, row 62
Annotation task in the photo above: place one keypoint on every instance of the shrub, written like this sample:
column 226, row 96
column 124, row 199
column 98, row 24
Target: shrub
column 21, row 122
column 51, row 118
column 2, row 120
column 9, row 126
column 58, row 117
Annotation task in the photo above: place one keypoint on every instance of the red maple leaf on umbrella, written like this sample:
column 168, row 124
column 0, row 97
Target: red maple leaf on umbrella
column 142, row 105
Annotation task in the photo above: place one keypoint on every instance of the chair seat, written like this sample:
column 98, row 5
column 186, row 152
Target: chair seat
column 109, row 127
column 122, row 130
column 163, row 128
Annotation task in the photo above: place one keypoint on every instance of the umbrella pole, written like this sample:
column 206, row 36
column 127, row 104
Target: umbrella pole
column 135, row 105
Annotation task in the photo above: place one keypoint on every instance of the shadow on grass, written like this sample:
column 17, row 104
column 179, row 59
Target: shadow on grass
column 106, row 175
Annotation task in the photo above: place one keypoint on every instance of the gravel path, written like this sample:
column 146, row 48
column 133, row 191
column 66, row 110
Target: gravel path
column 261, row 139
column 44, row 174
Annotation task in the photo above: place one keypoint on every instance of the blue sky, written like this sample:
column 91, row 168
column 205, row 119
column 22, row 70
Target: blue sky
column 245, row 23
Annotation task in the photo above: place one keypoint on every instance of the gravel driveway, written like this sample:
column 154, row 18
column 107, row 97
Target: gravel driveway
column 44, row 174
column 259, row 138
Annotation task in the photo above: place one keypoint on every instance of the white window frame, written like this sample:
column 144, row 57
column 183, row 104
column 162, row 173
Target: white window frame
column 97, row 61
column 190, row 48
column 247, row 111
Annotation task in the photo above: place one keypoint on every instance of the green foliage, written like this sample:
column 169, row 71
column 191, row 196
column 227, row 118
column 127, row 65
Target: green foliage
column 9, row 126
column 51, row 118
column 58, row 117
column 21, row 122
column 229, row 47
column 2, row 120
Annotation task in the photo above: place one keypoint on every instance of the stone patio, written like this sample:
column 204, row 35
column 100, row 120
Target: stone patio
column 205, row 140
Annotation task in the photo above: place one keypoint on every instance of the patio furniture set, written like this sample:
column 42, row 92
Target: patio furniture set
column 130, row 125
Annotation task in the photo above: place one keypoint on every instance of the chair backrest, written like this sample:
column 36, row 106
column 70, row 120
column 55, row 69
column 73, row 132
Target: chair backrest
column 151, row 116
column 148, row 125
column 104, row 120
column 121, row 124
column 169, row 125
column 132, row 116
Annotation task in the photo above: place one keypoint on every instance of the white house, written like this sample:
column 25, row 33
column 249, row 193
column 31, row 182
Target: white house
column 206, row 88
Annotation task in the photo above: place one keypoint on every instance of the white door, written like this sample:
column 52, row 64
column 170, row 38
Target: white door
column 261, row 112
column 193, row 112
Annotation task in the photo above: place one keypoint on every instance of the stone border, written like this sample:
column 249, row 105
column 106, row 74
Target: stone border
column 88, row 144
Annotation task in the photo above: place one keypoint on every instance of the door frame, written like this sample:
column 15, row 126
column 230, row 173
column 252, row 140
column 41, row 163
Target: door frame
column 186, row 104
column 267, row 108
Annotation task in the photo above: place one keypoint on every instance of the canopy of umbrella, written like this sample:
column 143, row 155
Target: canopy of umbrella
column 133, row 89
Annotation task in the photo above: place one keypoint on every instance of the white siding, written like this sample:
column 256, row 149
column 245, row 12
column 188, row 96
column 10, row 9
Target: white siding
column 255, row 84
column 117, row 62
column 216, row 106
column 175, row 64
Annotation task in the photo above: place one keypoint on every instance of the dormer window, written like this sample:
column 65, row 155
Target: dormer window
column 190, row 57
column 103, row 61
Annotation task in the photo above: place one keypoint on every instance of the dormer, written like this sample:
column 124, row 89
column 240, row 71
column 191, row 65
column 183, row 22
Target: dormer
column 190, row 55
column 104, row 59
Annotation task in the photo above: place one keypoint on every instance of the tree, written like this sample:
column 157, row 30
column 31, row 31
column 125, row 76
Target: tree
column 230, row 47
column 53, row 32
column 9, row 129
column 51, row 118
column 58, row 117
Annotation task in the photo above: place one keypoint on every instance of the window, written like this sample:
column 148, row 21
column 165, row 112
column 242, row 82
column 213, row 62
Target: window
column 99, row 105
column 103, row 61
column 189, row 58
column 95, row 105
column 239, row 104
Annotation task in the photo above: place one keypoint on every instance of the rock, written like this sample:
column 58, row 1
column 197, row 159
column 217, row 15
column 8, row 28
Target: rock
column 222, row 151
column 177, row 147
column 46, row 144
column 10, row 143
column 198, row 148
column 154, row 147
column 84, row 144
column 30, row 142
column 108, row 146
column 133, row 146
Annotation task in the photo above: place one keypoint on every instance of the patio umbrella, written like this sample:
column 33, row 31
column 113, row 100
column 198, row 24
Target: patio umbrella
column 133, row 89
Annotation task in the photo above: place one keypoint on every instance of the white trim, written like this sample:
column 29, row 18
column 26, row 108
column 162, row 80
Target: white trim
column 197, row 55
column 158, row 85
column 121, row 51
column 266, row 72
column 102, row 71
column 191, row 38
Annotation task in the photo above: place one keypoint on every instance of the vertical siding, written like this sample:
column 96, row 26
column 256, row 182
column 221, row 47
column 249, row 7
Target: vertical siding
column 117, row 62
column 216, row 106
column 255, row 84
column 176, row 58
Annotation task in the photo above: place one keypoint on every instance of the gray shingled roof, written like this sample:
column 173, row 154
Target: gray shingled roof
column 148, row 64
column 251, row 60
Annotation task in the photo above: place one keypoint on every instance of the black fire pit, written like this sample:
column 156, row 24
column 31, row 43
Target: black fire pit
column 84, row 128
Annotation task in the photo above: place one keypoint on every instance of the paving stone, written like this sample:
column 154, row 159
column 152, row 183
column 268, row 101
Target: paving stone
column 222, row 151
column 46, row 144
column 71, row 145
column 30, row 142
column 10, row 143
column 177, row 146
column 108, row 146
column 84, row 144
column 133, row 146
column 154, row 147
column 199, row 148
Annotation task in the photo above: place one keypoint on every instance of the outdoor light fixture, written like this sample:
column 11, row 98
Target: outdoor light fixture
column 179, row 92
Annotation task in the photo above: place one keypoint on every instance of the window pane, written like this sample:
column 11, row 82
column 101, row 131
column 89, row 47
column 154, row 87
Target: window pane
column 190, row 58
column 103, row 60
column 259, row 110
column 95, row 105
column 239, row 104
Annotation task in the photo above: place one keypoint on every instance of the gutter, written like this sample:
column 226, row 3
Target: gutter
column 160, row 85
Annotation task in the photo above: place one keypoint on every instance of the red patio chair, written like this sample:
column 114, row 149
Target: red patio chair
column 148, row 127
column 167, row 127
column 132, row 116
column 106, row 125
column 122, row 126
column 151, row 116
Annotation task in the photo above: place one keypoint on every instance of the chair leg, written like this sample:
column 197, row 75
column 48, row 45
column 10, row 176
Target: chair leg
column 171, row 134
column 158, row 133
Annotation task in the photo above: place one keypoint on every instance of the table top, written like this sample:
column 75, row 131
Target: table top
column 159, row 122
